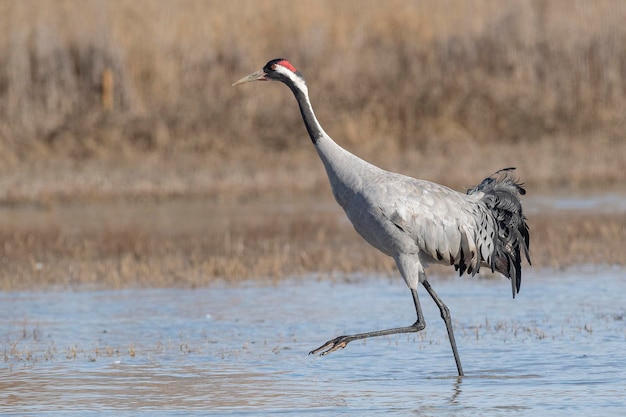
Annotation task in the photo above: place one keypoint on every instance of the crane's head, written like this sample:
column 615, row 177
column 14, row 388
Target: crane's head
column 278, row 69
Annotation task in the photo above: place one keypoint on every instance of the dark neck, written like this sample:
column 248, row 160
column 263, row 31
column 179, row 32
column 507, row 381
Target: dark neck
column 310, row 121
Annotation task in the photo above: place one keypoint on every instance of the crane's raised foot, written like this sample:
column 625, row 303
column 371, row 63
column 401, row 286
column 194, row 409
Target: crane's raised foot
column 342, row 341
column 332, row 345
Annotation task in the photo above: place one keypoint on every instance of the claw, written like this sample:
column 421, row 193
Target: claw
column 332, row 345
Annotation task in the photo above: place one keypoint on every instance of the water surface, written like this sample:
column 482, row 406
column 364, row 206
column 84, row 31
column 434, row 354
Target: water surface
column 559, row 348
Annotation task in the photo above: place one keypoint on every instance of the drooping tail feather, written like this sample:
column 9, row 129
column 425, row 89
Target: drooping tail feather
column 501, row 195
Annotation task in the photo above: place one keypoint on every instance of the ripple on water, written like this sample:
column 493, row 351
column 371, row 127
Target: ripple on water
column 557, row 348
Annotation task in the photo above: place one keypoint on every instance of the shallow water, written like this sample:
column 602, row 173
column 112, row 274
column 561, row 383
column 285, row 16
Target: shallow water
column 557, row 349
column 595, row 203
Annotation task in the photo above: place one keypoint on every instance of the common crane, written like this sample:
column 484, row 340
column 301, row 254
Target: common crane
column 416, row 222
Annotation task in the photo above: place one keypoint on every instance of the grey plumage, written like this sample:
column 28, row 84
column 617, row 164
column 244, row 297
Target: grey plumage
column 416, row 222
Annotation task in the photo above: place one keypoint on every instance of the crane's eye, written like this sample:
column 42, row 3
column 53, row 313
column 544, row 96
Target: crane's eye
column 273, row 67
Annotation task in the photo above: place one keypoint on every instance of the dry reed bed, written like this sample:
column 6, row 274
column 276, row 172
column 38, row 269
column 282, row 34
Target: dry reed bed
column 115, row 100
column 265, row 248
column 546, row 167
column 125, row 81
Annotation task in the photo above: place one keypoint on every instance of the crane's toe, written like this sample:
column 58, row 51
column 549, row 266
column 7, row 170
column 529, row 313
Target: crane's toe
column 332, row 345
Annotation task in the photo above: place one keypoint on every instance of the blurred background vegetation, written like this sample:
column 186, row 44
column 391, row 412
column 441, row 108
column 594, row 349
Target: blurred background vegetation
column 134, row 96
column 106, row 102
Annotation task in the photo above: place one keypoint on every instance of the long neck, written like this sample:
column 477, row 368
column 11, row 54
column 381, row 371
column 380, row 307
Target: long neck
column 346, row 172
column 313, row 127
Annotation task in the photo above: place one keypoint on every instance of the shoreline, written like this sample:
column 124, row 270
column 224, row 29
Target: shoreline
column 196, row 242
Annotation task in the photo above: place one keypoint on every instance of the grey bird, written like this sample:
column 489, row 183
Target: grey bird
column 416, row 222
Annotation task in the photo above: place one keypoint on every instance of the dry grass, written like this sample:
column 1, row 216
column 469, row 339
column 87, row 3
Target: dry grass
column 106, row 101
column 564, row 239
column 123, row 84
column 233, row 244
column 550, row 165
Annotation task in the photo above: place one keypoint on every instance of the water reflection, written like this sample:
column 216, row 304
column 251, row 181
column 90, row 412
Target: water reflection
column 456, row 389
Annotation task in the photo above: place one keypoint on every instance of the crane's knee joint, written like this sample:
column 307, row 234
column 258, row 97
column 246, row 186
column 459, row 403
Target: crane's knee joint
column 419, row 325
column 445, row 313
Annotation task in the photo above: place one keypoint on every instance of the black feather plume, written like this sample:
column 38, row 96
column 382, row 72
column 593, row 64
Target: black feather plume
column 501, row 195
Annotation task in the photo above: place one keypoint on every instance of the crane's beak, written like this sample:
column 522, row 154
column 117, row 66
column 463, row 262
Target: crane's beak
column 255, row 76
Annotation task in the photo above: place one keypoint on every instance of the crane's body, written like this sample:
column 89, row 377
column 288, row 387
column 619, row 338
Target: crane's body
column 416, row 222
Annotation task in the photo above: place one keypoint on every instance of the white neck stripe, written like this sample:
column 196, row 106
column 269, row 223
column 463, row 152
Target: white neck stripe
column 299, row 82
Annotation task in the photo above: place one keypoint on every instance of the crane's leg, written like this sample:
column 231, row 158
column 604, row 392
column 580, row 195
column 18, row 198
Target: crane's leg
column 342, row 341
column 445, row 315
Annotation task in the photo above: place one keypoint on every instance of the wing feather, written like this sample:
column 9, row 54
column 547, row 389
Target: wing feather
column 439, row 221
